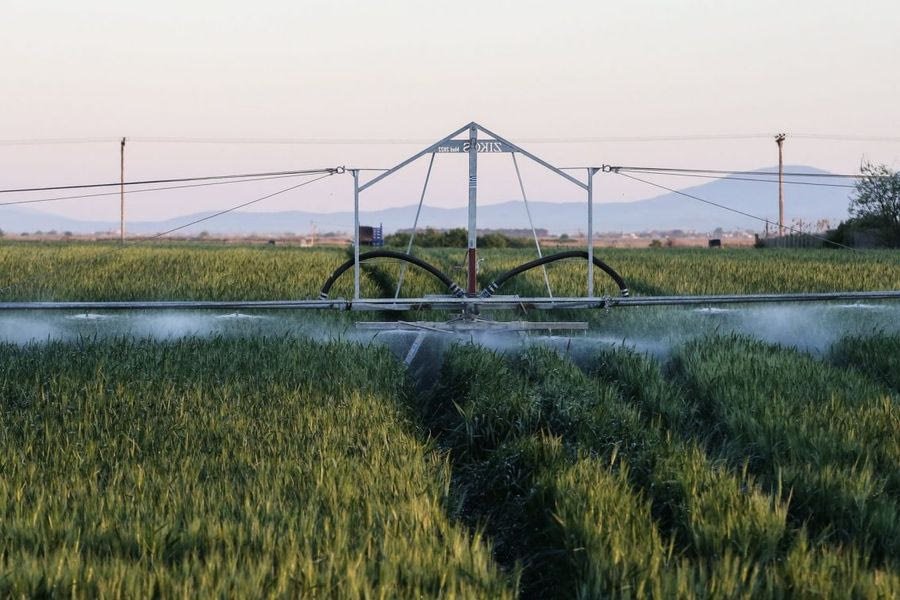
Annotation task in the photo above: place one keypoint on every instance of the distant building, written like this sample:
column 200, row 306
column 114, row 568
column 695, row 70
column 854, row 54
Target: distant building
column 371, row 236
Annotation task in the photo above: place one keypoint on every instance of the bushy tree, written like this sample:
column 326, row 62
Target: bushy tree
column 877, row 195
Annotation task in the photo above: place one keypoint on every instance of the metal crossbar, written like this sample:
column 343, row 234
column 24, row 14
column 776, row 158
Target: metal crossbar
column 452, row 303
column 471, row 147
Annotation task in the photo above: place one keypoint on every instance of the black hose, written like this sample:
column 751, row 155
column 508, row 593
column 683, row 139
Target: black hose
column 495, row 285
column 454, row 289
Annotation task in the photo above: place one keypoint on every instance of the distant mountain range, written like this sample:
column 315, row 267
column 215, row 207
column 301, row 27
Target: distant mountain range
column 809, row 203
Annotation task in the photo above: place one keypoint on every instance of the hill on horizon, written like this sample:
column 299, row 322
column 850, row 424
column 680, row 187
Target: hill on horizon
column 809, row 203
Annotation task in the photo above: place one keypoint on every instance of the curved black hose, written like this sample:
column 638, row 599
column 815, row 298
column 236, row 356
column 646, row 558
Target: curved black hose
column 454, row 289
column 495, row 285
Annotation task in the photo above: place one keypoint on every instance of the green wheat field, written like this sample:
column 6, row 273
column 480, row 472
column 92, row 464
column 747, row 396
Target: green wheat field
column 273, row 465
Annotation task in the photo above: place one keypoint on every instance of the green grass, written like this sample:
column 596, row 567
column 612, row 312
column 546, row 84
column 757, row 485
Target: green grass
column 827, row 437
column 231, row 468
column 53, row 271
column 594, row 496
column 83, row 271
column 243, row 467
column 876, row 355
column 701, row 271
column 281, row 467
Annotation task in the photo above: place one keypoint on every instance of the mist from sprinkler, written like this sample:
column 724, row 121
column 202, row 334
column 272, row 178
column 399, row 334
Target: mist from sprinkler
column 812, row 327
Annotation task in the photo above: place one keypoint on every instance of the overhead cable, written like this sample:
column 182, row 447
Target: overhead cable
column 313, row 141
column 532, row 140
column 329, row 171
column 412, row 235
column 236, row 207
column 845, row 137
column 118, row 248
column 156, row 189
column 537, row 243
column 54, row 141
column 718, row 177
column 734, row 210
column 739, row 172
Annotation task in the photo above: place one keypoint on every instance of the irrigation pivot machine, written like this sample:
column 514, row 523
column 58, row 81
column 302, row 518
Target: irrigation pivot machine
column 470, row 141
column 467, row 302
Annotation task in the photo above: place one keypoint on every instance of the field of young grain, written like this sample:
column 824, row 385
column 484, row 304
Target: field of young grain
column 241, row 468
column 267, row 465
column 82, row 271
column 618, row 480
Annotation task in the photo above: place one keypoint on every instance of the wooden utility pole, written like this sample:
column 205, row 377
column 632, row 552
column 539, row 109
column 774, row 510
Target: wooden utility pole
column 122, row 192
column 779, row 139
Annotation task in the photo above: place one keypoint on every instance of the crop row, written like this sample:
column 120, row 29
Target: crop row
column 269, row 466
column 827, row 436
column 695, row 271
column 614, row 485
column 241, row 468
column 169, row 272
column 875, row 355
column 55, row 271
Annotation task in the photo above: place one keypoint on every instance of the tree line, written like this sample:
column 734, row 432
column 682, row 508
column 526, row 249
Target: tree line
column 874, row 207
column 456, row 238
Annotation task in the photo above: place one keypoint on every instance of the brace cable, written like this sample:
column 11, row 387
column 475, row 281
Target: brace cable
column 537, row 244
column 734, row 210
column 119, row 248
column 738, row 172
column 412, row 234
column 717, row 177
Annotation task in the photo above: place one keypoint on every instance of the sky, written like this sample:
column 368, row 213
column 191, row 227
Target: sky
column 401, row 70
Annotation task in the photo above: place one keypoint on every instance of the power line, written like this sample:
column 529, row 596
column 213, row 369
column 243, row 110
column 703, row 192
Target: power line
column 531, row 140
column 844, row 137
column 388, row 141
column 330, row 171
column 54, row 141
column 406, row 141
column 157, row 189
column 118, row 248
column 738, row 172
column 734, row 210
column 648, row 138
column 242, row 205
column 710, row 137
column 718, row 177
column 314, row 141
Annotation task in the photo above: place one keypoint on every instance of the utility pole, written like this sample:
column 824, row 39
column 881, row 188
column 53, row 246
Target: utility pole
column 122, row 192
column 779, row 139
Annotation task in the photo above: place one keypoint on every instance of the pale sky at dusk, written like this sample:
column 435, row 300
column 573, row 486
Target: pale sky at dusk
column 374, row 70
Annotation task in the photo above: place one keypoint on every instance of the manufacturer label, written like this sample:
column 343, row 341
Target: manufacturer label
column 481, row 146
